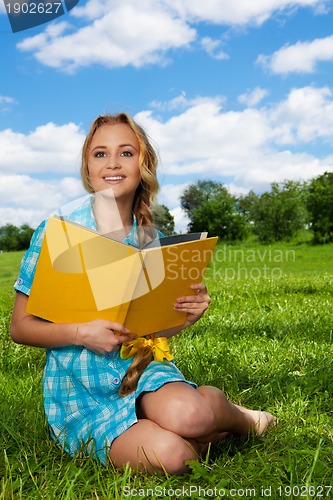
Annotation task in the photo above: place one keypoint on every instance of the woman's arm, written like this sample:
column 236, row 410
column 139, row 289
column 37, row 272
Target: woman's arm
column 100, row 336
column 193, row 305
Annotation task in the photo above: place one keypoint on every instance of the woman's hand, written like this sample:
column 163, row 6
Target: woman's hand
column 193, row 305
column 102, row 336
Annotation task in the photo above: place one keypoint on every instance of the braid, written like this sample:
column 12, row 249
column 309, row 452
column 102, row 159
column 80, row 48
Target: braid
column 144, row 218
column 139, row 364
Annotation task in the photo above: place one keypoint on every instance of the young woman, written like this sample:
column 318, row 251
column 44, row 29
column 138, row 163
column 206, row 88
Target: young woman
column 142, row 412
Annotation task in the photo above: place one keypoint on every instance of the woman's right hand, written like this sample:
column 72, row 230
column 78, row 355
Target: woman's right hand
column 102, row 336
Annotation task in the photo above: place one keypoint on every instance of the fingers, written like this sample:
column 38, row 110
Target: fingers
column 201, row 287
column 120, row 339
column 116, row 327
column 120, row 332
column 102, row 336
column 200, row 300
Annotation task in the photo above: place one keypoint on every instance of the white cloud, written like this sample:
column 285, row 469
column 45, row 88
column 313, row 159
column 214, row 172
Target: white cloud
column 49, row 148
column 205, row 139
column 19, row 216
column 127, row 34
column 170, row 193
column 6, row 100
column 246, row 149
column 169, row 196
column 212, row 47
column 253, row 97
column 301, row 57
column 236, row 190
column 26, row 200
column 280, row 166
column 117, row 33
column 181, row 102
column 238, row 12
column 6, row 103
column 254, row 147
column 304, row 116
column 181, row 220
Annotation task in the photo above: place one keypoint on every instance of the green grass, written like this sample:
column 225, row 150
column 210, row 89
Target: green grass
column 9, row 263
column 266, row 340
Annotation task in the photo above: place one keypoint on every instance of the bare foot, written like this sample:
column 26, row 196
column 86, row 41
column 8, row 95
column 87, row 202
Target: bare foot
column 259, row 421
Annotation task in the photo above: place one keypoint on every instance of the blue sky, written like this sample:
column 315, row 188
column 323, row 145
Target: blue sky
column 238, row 91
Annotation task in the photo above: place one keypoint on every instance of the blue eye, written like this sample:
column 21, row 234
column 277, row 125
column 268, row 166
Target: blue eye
column 100, row 154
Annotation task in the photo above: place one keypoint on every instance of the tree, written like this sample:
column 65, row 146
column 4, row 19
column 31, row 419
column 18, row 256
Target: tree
column 9, row 238
column 198, row 193
column 210, row 207
column 164, row 220
column 280, row 213
column 246, row 204
column 14, row 238
column 320, row 206
column 24, row 236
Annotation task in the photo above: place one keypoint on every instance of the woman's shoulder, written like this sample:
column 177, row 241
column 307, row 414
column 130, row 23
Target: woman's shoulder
column 79, row 211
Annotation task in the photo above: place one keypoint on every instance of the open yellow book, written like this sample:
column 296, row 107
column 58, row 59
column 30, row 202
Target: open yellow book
column 82, row 275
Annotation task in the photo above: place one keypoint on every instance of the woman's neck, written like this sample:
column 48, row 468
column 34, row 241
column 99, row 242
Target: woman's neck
column 111, row 216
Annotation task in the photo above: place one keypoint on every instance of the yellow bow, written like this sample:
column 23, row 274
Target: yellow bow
column 159, row 348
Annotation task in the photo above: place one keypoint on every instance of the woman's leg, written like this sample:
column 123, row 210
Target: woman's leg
column 150, row 448
column 176, row 423
column 200, row 414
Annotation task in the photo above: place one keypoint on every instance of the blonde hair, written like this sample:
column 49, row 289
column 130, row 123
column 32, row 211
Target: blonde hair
column 144, row 197
column 140, row 362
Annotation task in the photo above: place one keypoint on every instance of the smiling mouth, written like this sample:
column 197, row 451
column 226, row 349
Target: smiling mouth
column 114, row 178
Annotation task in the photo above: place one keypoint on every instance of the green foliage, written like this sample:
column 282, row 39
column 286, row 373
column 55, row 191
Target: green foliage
column 198, row 193
column 164, row 220
column 320, row 206
column 266, row 340
column 14, row 238
column 212, row 208
column 278, row 214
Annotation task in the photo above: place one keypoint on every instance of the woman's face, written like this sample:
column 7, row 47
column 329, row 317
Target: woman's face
column 113, row 161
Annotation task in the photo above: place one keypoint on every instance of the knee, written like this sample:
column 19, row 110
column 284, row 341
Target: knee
column 192, row 417
column 174, row 453
column 149, row 448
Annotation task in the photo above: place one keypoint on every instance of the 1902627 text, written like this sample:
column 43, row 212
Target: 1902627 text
column 33, row 7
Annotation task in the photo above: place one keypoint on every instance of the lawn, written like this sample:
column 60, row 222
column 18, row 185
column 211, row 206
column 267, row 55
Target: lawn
column 266, row 340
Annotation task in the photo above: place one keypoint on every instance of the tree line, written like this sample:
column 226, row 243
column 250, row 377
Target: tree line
column 275, row 215
column 14, row 238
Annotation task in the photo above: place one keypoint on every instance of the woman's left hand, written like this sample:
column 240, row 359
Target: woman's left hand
column 193, row 305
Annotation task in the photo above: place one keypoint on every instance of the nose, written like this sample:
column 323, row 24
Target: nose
column 112, row 162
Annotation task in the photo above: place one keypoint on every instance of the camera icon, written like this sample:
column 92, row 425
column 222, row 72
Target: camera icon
column 26, row 14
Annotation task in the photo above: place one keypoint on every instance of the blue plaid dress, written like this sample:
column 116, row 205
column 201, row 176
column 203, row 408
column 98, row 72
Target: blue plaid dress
column 80, row 387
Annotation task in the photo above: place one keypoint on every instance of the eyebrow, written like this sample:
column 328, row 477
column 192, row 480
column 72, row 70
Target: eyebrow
column 120, row 146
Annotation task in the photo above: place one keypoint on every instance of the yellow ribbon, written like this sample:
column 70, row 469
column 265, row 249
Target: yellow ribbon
column 159, row 348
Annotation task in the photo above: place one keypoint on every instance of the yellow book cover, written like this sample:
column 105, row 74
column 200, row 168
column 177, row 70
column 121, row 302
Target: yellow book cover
column 82, row 275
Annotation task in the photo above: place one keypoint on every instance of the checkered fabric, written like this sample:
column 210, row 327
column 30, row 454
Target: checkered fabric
column 80, row 387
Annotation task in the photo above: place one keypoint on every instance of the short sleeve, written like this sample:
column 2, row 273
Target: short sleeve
column 29, row 261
